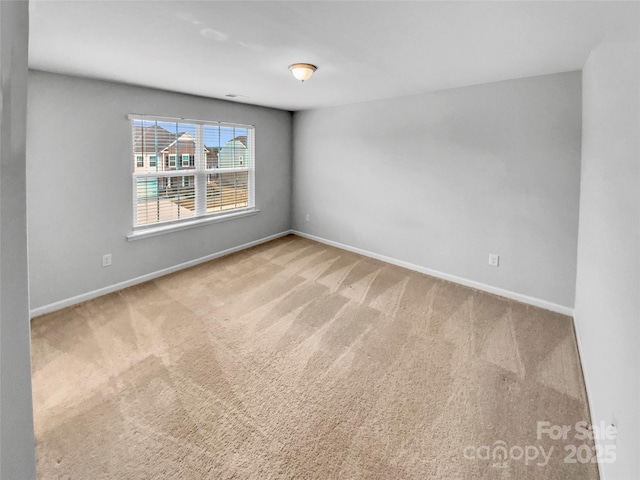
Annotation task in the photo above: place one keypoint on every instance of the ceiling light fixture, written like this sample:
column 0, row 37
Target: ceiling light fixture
column 302, row 71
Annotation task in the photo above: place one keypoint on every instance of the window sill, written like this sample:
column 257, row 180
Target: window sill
column 163, row 229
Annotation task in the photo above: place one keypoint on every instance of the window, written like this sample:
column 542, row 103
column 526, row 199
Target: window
column 139, row 161
column 216, row 177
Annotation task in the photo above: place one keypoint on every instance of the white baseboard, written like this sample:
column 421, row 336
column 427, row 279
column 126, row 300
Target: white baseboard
column 585, row 377
column 445, row 276
column 536, row 302
column 52, row 307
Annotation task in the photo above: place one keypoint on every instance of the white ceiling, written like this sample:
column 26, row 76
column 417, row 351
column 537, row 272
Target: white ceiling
column 364, row 50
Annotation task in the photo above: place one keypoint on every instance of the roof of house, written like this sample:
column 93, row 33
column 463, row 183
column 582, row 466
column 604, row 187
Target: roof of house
column 150, row 139
column 183, row 137
column 241, row 138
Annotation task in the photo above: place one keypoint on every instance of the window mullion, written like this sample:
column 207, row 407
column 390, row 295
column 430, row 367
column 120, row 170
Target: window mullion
column 200, row 177
column 251, row 179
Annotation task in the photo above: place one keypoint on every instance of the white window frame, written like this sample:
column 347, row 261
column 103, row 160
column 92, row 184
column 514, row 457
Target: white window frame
column 173, row 157
column 188, row 159
column 201, row 173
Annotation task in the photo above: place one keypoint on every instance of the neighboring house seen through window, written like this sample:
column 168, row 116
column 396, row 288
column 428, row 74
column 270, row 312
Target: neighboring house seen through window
column 214, row 177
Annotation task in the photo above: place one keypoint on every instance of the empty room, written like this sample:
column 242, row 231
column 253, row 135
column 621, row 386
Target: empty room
column 319, row 240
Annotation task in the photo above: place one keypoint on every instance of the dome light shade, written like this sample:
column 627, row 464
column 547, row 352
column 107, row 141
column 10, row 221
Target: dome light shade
column 302, row 71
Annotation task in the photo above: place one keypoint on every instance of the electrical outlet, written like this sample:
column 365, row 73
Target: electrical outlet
column 494, row 260
column 307, row 217
column 106, row 260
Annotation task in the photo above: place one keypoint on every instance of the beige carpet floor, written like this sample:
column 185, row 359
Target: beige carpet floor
column 298, row 360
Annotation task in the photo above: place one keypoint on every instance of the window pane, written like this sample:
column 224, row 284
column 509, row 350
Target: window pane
column 226, row 147
column 165, row 199
column 150, row 138
column 226, row 191
column 233, row 152
column 212, row 144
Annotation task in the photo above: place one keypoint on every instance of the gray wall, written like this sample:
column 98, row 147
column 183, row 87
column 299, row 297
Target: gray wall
column 608, row 284
column 79, row 184
column 17, row 445
column 443, row 179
